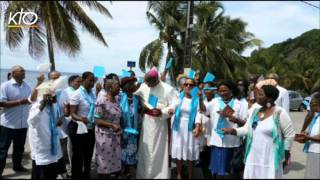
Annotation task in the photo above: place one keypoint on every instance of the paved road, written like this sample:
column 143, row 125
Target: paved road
column 295, row 171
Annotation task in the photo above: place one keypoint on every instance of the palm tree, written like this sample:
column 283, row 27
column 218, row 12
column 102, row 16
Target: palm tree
column 219, row 41
column 167, row 18
column 55, row 26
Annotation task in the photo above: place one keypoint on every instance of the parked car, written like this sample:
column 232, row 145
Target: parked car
column 296, row 101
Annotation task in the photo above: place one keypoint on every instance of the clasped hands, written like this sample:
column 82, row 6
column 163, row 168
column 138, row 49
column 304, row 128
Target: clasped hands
column 301, row 137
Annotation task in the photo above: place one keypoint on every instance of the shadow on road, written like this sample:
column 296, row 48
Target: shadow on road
column 295, row 166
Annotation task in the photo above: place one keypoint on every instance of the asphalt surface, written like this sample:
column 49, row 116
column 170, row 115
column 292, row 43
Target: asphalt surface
column 294, row 171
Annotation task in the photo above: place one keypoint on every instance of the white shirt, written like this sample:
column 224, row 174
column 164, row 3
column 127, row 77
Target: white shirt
column 283, row 99
column 64, row 98
column 315, row 146
column 40, row 136
column 228, row 140
column 102, row 92
column 244, row 106
column 77, row 99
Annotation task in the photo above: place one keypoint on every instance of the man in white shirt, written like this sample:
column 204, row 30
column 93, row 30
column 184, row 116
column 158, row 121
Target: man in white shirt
column 43, row 136
column 283, row 99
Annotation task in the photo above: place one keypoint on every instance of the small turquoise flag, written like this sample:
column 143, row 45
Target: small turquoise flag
column 153, row 100
column 125, row 73
column 169, row 64
column 192, row 74
column 99, row 71
column 208, row 78
column 194, row 91
column 131, row 131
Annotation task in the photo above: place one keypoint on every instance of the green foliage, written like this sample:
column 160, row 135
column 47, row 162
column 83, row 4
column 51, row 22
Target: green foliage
column 217, row 40
column 297, row 61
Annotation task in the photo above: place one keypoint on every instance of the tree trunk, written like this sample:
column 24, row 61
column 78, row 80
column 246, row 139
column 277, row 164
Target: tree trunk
column 50, row 49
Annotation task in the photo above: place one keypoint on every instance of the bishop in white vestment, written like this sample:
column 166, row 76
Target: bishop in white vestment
column 153, row 155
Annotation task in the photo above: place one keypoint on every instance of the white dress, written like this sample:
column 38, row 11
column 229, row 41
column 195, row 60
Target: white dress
column 184, row 145
column 260, row 160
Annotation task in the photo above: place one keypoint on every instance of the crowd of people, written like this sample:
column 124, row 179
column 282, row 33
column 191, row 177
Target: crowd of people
column 135, row 129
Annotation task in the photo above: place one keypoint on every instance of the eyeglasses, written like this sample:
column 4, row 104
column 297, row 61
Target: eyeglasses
column 187, row 84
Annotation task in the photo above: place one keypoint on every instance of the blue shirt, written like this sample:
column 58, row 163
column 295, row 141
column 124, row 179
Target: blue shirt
column 14, row 117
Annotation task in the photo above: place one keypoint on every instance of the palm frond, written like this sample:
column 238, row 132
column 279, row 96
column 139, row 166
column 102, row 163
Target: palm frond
column 97, row 6
column 80, row 16
column 64, row 30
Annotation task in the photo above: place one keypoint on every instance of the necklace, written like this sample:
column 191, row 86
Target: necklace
column 262, row 115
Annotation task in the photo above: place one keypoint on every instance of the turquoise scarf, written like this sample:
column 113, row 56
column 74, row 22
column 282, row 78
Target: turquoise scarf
column 90, row 98
column 54, row 115
column 192, row 115
column 310, row 126
column 279, row 149
column 126, row 112
column 222, row 121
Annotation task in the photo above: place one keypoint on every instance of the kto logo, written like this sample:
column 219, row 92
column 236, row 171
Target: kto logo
column 24, row 19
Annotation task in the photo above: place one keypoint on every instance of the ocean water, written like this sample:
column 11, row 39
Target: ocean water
column 31, row 76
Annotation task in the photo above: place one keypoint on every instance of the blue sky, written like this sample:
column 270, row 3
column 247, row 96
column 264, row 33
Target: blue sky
column 129, row 31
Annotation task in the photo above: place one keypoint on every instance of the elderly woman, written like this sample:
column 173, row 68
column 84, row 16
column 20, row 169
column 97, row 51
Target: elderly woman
column 108, row 131
column 131, row 107
column 311, row 138
column 226, row 111
column 185, row 129
column 269, row 134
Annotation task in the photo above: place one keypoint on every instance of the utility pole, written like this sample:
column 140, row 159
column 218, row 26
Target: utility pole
column 188, row 37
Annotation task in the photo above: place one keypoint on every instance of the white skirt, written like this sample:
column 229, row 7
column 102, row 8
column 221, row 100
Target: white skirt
column 184, row 145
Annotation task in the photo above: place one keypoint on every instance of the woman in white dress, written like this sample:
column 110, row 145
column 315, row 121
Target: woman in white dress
column 269, row 134
column 185, row 129
column 311, row 138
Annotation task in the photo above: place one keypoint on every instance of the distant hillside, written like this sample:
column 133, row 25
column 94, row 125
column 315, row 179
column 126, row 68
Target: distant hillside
column 297, row 61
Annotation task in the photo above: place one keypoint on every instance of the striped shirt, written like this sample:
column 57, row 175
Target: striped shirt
column 14, row 117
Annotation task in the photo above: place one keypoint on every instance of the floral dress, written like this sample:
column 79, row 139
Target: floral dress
column 108, row 149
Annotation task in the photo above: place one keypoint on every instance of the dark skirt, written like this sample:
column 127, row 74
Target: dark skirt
column 220, row 160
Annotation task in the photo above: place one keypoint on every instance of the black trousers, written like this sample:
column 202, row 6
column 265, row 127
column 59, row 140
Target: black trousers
column 82, row 152
column 205, row 156
column 7, row 135
column 49, row 171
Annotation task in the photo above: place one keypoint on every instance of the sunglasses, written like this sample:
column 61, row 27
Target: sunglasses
column 187, row 84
